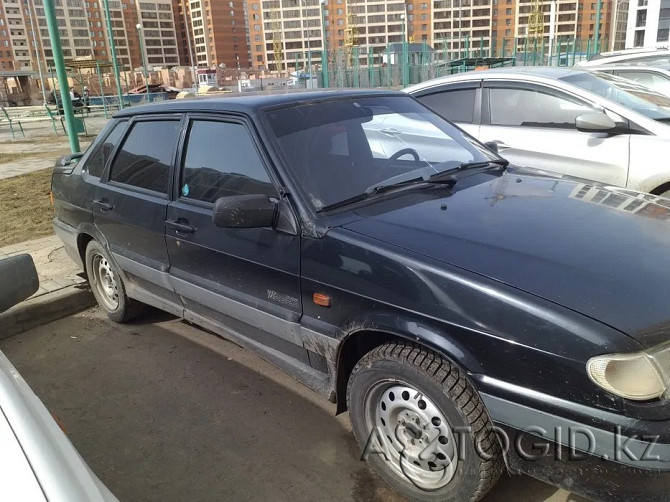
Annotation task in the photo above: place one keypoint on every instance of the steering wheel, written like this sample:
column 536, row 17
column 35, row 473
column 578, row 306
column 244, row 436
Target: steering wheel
column 404, row 151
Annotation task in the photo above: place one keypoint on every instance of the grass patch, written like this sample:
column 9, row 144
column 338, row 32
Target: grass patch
column 25, row 207
column 9, row 157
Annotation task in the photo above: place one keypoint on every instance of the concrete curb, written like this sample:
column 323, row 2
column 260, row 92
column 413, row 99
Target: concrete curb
column 44, row 309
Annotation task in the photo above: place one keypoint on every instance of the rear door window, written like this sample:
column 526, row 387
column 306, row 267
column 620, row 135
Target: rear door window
column 145, row 158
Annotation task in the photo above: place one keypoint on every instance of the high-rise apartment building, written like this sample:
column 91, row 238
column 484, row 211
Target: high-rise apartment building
column 24, row 36
column 218, row 31
column 648, row 23
column 286, row 28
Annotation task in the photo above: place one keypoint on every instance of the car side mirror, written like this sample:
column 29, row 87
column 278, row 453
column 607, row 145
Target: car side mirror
column 68, row 160
column 245, row 211
column 493, row 146
column 67, row 163
column 595, row 122
column 18, row 280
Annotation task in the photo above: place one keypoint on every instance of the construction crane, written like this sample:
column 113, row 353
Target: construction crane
column 351, row 34
column 536, row 22
column 277, row 38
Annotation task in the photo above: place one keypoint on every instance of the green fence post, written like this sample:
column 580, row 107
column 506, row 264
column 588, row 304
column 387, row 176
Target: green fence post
column 388, row 66
column 370, row 68
column 534, row 51
column 588, row 48
column 102, row 90
column 324, row 68
column 405, row 64
column 525, row 50
column 357, row 68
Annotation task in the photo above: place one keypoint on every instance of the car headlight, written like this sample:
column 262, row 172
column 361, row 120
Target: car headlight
column 640, row 376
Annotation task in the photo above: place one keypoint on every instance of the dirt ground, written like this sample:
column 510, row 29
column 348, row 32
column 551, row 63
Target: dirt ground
column 25, row 207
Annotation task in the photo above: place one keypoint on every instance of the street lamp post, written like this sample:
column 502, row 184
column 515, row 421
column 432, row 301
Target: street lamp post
column 596, row 35
column 112, row 52
column 59, row 63
column 37, row 52
column 309, row 42
column 324, row 43
column 140, row 34
column 405, row 62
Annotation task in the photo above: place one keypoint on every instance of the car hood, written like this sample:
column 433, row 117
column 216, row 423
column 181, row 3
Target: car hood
column 599, row 251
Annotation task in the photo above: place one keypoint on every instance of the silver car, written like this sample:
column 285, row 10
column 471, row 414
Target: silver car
column 571, row 121
column 37, row 460
column 629, row 56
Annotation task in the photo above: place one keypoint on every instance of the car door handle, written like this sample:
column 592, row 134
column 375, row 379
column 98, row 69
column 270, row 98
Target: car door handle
column 103, row 205
column 180, row 227
column 390, row 132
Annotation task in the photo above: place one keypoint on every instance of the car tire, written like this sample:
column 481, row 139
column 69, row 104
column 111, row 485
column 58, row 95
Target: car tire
column 408, row 405
column 108, row 287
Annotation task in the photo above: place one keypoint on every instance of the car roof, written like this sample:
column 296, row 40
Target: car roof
column 539, row 72
column 252, row 102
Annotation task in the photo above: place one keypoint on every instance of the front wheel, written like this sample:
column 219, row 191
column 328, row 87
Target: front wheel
column 422, row 425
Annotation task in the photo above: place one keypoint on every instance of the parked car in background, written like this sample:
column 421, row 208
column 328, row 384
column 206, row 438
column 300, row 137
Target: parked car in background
column 571, row 121
column 629, row 56
column 656, row 78
column 420, row 283
column 54, row 99
column 37, row 460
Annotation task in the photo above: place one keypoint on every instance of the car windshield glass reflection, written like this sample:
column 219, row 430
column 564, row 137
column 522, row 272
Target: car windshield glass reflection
column 624, row 92
column 339, row 148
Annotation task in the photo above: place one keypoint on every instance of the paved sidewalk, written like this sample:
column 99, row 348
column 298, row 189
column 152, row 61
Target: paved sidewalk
column 41, row 147
column 62, row 290
column 55, row 269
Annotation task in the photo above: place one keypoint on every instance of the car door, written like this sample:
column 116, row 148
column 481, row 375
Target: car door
column 130, row 203
column 534, row 125
column 459, row 102
column 244, row 279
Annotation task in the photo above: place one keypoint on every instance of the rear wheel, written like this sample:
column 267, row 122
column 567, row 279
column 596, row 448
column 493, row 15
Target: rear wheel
column 422, row 425
column 108, row 287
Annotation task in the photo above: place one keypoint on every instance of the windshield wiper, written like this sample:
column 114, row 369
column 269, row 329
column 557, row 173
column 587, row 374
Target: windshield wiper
column 386, row 187
column 449, row 173
column 401, row 181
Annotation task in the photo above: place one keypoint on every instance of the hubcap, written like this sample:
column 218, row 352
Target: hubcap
column 418, row 439
column 105, row 282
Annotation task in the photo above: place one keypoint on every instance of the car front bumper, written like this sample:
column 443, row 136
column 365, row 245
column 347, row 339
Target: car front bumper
column 597, row 454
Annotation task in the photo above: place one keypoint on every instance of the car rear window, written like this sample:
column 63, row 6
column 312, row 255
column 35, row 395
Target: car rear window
column 145, row 158
column 457, row 105
column 96, row 164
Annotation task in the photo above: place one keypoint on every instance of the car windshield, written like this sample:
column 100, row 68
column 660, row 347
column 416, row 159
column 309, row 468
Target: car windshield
column 338, row 149
column 624, row 92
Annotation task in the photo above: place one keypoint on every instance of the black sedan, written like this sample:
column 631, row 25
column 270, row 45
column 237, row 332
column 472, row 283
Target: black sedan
column 471, row 316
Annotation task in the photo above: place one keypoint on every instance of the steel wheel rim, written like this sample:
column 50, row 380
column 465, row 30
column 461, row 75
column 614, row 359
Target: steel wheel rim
column 105, row 282
column 419, row 441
